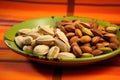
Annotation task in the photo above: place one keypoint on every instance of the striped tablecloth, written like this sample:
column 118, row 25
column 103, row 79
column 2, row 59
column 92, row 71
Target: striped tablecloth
column 17, row 67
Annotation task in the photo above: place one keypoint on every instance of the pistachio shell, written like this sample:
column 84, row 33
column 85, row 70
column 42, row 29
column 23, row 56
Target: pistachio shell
column 47, row 30
column 53, row 52
column 24, row 31
column 105, row 49
column 27, row 40
column 19, row 41
column 66, row 55
column 62, row 36
column 44, row 39
column 63, row 47
column 111, row 29
column 41, row 50
column 87, row 31
column 87, row 55
column 28, row 49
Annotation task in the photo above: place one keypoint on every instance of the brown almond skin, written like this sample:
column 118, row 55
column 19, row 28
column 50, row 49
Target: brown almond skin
column 114, row 40
column 70, row 34
column 77, row 51
column 97, row 52
column 86, row 49
column 70, row 28
column 78, row 32
column 63, row 29
column 85, row 39
column 95, row 39
column 74, row 39
column 97, row 32
column 113, row 45
column 74, row 44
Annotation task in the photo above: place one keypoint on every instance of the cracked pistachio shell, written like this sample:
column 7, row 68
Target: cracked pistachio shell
column 53, row 52
column 41, row 50
column 27, row 40
column 63, row 46
column 66, row 55
column 47, row 30
column 45, row 39
column 24, row 31
column 19, row 41
column 28, row 49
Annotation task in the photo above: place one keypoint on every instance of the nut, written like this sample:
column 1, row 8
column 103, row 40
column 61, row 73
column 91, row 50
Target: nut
column 97, row 32
column 85, row 24
column 47, row 30
column 114, row 40
column 85, row 39
column 86, row 49
column 97, row 52
column 53, row 52
column 111, row 29
column 70, row 27
column 63, row 47
column 74, row 39
column 86, row 55
column 33, row 35
column 19, row 41
column 44, row 39
column 65, row 55
column 70, row 34
column 24, row 31
column 77, row 51
column 78, row 32
column 41, row 50
column 27, row 40
column 87, row 31
column 113, row 45
column 105, row 49
column 95, row 39
column 28, row 49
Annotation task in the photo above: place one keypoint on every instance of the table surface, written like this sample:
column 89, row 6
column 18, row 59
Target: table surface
column 17, row 67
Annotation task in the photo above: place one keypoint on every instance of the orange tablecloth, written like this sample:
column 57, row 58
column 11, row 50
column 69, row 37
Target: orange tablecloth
column 17, row 67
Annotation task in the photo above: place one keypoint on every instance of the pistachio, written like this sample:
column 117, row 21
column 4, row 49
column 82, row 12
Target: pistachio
column 86, row 49
column 86, row 55
column 47, row 30
column 78, row 32
column 28, row 49
column 24, row 31
column 33, row 35
column 77, row 51
column 65, row 55
column 27, row 40
column 97, row 52
column 19, row 41
column 53, row 52
column 105, row 49
column 87, row 31
column 111, row 29
column 44, row 39
column 63, row 47
column 41, row 50
column 61, row 36
column 85, row 39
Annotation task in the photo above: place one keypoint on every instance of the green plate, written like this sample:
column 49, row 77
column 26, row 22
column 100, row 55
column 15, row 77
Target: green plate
column 10, row 35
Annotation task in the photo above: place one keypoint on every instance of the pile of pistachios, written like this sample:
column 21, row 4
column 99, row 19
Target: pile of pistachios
column 69, row 39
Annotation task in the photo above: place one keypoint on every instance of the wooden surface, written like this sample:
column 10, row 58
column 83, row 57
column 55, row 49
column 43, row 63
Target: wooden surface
column 16, row 67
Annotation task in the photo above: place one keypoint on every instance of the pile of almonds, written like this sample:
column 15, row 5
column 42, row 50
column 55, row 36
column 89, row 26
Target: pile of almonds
column 69, row 39
column 89, row 38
